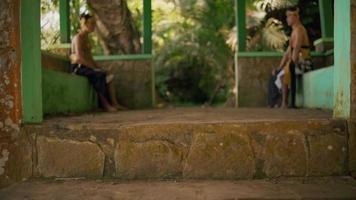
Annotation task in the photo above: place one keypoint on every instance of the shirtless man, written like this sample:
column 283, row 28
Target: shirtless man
column 82, row 63
column 297, row 52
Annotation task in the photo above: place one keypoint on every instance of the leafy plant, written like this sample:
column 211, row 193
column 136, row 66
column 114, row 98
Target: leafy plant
column 192, row 56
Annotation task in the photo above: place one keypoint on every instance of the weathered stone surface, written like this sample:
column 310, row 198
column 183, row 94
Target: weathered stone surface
column 353, row 85
column 152, row 150
column 67, row 158
column 132, row 82
column 280, row 154
column 220, row 155
column 253, row 81
column 328, row 154
column 20, row 159
column 353, row 59
column 208, row 144
column 352, row 147
column 15, row 161
column 148, row 159
column 54, row 62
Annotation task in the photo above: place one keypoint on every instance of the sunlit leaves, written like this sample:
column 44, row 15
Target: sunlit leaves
column 268, row 5
column 273, row 35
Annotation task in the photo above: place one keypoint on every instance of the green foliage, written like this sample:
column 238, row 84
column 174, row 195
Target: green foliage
column 191, row 52
column 267, row 32
column 269, row 5
column 275, row 9
column 136, row 8
column 76, row 8
column 49, row 23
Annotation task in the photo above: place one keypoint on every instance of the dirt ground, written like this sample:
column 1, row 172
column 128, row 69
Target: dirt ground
column 312, row 188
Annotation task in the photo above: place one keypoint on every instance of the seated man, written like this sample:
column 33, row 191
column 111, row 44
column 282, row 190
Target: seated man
column 296, row 59
column 83, row 64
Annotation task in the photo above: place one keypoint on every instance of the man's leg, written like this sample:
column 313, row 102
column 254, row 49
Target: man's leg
column 293, row 86
column 106, row 104
column 112, row 94
column 284, row 96
column 97, row 79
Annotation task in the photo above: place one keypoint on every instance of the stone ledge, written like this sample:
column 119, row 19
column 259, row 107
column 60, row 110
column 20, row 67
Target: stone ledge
column 235, row 151
column 352, row 147
column 68, row 158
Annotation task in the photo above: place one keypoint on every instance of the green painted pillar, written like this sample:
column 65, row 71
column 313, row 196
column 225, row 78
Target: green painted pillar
column 147, row 42
column 240, row 9
column 31, row 70
column 342, row 71
column 326, row 17
column 64, row 17
column 147, row 26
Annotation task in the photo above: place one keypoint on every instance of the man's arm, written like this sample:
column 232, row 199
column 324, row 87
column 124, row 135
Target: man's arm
column 285, row 59
column 80, row 53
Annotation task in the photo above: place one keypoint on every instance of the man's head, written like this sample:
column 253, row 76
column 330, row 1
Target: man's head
column 87, row 23
column 292, row 16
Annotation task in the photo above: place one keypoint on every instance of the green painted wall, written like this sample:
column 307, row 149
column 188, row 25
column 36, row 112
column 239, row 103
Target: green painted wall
column 342, row 78
column 317, row 89
column 66, row 93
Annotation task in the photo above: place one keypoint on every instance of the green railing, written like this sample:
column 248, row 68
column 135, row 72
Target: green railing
column 250, row 54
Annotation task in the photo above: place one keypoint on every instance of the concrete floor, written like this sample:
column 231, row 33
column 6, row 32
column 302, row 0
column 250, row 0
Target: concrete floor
column 191, row 115
column 312, row 188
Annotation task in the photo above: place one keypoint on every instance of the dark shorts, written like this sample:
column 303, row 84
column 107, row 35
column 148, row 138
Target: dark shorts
column 96, row 77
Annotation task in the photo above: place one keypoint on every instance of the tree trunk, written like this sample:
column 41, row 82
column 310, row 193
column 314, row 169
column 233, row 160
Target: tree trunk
column 115, row 27
column 118, row 35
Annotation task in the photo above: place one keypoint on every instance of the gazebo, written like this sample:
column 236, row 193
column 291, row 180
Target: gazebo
column 184, row 144
column 32, row 73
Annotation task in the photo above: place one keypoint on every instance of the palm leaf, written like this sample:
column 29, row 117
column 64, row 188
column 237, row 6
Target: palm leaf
column 273, row 35
column 274, row 4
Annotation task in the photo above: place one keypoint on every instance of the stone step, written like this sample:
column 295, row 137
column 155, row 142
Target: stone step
column 195, row 147
column 280, row 189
